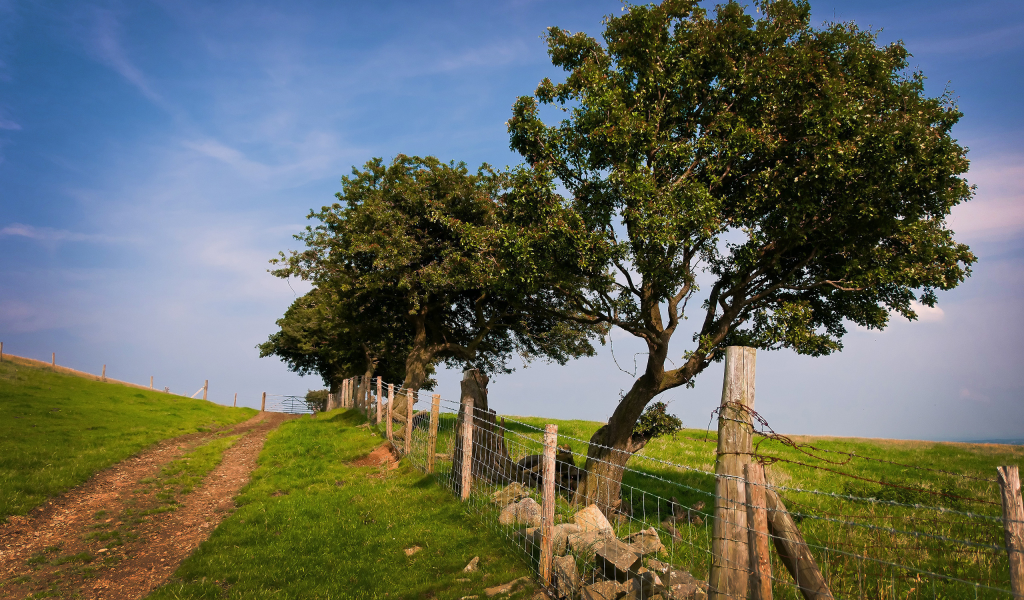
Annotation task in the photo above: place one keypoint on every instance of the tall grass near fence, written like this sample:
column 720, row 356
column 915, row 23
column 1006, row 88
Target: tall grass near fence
column 56, row 430
column 880, row 518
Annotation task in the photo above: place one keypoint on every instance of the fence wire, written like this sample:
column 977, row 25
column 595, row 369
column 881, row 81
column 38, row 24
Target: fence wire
column 647, row 526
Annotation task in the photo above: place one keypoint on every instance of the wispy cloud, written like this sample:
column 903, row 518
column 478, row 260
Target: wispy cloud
column 105, row 42
column 998, row 209
column 974, row 396
column 50, row 236
column 9, row 124
column 495, row 54
column 975, row 44
column 927, row 314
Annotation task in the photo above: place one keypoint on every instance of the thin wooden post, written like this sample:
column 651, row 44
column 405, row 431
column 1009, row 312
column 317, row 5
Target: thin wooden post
column 206, row 388
column 151, row 383
column 263, row 405
column 467, row 447
column 391, row 404
column 793, row 550
column 1, row 352
column 344, row 393
column 53, row 361
column 235, row 405
column 730, row 561
column 380, row 396
column 408, row 422
column 547, row 518
column 435, row 410
column 757, row 539
column 104, row 376
column 1013, row 524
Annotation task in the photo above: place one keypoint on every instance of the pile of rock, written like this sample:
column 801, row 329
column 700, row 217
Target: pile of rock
column 612, row 568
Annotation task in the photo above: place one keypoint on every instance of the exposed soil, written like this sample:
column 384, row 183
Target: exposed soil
column 382, row 455
column 115, row 536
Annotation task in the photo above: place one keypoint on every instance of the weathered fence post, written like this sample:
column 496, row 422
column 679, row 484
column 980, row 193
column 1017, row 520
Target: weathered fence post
column 730, row 561
column 793, row 550
column 263, row 404
column 235, row 405
column 757, row 520
column 53, row 361
column 408, row 422
column 104, row 376
column 467, row 448
column 206, row 388
column 151, row 383
column 435, row 409
column 380, row 397
column 1, row 352
column 344, row 393
column 391, row 403
column 1013, row 524
column 547, row 518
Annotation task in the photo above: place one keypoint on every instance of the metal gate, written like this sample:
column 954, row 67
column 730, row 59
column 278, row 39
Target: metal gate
column 293, row 405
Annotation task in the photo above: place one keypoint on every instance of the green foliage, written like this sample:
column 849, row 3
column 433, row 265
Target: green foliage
column 406, row 257
column 317, row 400
column 310, row 525
column 57, row 430
column 655, row 422
column 801, row 172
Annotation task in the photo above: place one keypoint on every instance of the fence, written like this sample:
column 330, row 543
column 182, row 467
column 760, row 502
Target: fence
column 741, row 529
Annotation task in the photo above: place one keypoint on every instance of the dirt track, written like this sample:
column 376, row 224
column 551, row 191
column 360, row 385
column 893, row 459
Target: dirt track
column 85, row 544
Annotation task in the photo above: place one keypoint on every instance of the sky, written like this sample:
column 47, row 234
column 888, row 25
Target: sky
column 155, row 154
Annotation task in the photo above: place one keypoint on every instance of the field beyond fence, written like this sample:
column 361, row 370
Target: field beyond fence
column 836, row 518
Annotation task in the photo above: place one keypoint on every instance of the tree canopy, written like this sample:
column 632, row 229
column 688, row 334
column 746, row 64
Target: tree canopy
column 800, row 176
column 408, row 247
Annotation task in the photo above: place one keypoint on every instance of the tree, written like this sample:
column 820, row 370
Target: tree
column 408, row 250
column 801, row 175
column 321, row 334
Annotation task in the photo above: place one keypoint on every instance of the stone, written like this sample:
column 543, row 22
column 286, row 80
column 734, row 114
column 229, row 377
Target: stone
column 661, row 568
column 513, row 492
column 604, row 590
column 646, row 542
column 644, row 587
column 506, row 587
column 560, row 537
column 617, row 560
column 566, row 576
column 474, row 565
column 526, row 511
column 587, row 542
column 683, row 586
column 592, row 519
column 412, row 550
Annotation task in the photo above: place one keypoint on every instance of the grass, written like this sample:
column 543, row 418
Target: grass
column 57, row 430
column 838, row 528
column 310, row 525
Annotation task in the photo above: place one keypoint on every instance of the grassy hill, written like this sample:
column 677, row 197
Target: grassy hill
column 57, row 429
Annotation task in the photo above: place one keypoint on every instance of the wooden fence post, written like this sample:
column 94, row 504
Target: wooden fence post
column 730, row 561
column 235, row 405
column 547, row 518
column 435, row 409
column 793, row 550
column 206, row 388
column 467, row 448
column 344, row 393
column 104, row 376
column 151, row 383
column 1, row 352
column 391, row 403
column 1013, row 524
column 757, row 540
column 408, row 422
column 380, row 396
column 263, row 405
column 53, row 361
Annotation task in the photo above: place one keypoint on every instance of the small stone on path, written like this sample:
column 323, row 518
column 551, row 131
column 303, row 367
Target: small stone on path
column 474, row 565
column 412, row 550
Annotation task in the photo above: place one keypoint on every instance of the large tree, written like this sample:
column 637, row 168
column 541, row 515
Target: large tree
column 801, row 175
column 408, row 248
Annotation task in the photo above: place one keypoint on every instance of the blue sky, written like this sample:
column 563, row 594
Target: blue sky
column 155, row 154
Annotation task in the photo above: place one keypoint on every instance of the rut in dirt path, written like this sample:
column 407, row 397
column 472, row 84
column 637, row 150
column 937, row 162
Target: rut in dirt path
column 116, row 536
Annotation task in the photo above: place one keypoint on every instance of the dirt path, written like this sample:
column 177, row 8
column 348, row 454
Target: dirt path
column 97, row 540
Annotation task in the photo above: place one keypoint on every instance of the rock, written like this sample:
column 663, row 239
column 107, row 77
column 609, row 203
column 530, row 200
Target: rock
column 587, row 542
column 644, row 587
column 560, row 537
column 529, row 535
column 603, row 590
column 617, row 560
column 513, row 492
column 658, row 567
column 683, row 586
column 566, row 577
column 646, row 541
column 507, row 587
column 526, row 511
column 412, row 550
column 474, row 565
column 592, row 519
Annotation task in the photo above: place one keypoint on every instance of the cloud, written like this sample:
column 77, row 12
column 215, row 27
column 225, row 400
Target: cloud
column 106, row 45
column 997, row 211
column 982, row 43
column 927, row 314
column 9, row 124
column 491, row 55
column 974, row 396
column 49, row 236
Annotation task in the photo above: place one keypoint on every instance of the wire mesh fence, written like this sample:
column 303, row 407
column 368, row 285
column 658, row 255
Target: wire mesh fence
column 613, row 524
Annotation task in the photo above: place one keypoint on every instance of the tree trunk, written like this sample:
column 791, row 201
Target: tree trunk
column 416, row 363
column 610, row 448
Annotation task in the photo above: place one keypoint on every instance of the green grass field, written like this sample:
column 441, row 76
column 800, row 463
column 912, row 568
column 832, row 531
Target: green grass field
column 56, row 430
column 310, row 525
